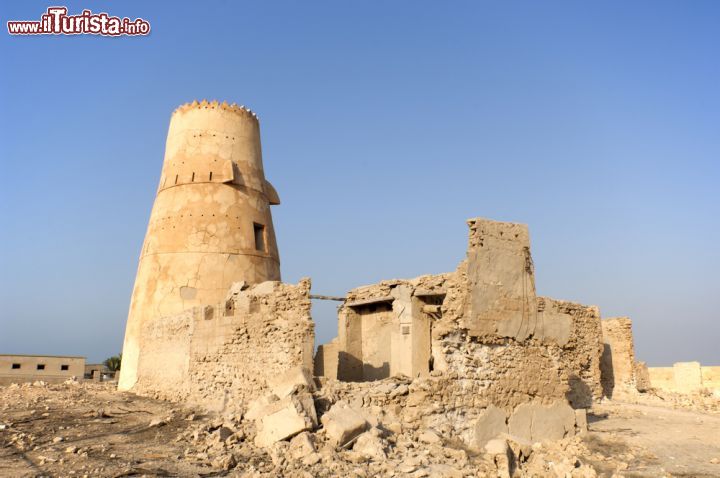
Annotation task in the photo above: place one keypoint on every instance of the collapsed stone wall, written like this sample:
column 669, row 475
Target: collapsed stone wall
column 222, row 356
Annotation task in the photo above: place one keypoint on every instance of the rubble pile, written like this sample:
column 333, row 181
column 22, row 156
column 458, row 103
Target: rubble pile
column 365, row 429
column 706, row 401
column 381, row 428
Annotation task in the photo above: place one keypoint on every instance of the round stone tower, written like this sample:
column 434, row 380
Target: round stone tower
column 210, row 225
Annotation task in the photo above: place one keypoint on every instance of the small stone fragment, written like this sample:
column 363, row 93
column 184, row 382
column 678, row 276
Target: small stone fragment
column 370, row 445
column 429, row 436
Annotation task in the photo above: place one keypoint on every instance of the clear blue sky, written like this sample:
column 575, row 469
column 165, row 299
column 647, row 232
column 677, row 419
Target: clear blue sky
column 385, row 125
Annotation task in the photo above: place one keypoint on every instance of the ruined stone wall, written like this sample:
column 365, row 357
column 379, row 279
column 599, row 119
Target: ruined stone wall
column 502, row 360
column 662, row 378
column 576, row 329
column 501, row 344
column 685, row 377
column 504, row 374
column 711, row 377
column 326, row 360
column 494, row 327
column 222, row 357
column 688, row 377
column 618, row 358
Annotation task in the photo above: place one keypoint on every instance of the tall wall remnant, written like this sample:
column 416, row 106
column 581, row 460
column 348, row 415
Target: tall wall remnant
column 618, row 358
column 501, row 280
column 210, row 225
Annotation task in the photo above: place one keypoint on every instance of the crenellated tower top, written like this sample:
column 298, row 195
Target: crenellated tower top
column 214, row 104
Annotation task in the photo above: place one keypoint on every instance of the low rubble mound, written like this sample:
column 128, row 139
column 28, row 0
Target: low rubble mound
column 360, row 429
column 704, row 400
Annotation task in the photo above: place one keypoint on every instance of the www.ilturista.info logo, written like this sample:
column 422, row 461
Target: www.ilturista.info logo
column 57, row 22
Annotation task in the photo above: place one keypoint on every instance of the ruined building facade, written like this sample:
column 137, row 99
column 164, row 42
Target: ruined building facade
column 483, row 348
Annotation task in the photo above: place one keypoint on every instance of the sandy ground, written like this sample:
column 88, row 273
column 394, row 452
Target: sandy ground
column 92, row 430
column 656, row 441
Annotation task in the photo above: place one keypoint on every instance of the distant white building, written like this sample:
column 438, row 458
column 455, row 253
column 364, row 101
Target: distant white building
column 48, row 368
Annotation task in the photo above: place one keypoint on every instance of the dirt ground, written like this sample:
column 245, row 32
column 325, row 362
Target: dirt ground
column 91, row 430
column 655, row 440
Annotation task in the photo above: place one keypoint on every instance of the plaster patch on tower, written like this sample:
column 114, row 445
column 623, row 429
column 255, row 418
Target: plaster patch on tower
column 188, row 293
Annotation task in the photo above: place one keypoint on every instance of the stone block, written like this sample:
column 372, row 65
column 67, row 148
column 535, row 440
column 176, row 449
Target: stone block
column 496, row 446
column 618, row 360
column 255, row 408
column 370, row 445
column 539, row 423
column 285, row 418
column 501, row 280
column 343, row 423
column 490, row 424
column 520, row 422
column 430, row 437
column 264, row 288
column 642, row 377
column 553, row 422
column 301, row 446
column 295, row 378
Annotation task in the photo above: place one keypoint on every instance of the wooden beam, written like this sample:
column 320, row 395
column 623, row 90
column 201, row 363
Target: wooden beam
column 327, row 297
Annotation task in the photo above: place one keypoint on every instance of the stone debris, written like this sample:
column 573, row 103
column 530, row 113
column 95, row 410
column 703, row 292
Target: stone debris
column 371, row 444
column 398, row 444
column 301, row 446
column 157, row 422
column 256, row 406
column 296, row 378
column 430, row 437
column 343, row 423
column 491, row 423
column 285, row 418
column 538, row 423
column 496, row 446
